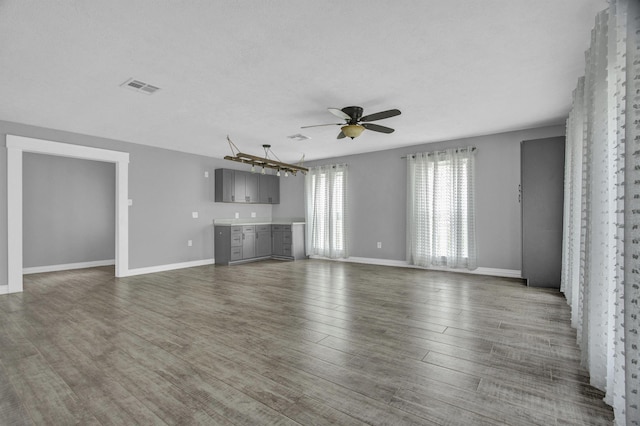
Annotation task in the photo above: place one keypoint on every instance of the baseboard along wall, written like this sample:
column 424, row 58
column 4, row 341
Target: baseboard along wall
column 67, row 266
column 495, row 272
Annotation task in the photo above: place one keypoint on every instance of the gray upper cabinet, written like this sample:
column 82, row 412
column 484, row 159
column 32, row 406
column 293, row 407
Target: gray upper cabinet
column 224, row 184
column 239, row 193
column 269, row 189
column 251, row 188
column 237, row 186
column 245, row 186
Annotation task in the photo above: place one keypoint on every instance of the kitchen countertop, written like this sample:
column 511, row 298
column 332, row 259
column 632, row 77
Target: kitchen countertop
column 259, row 221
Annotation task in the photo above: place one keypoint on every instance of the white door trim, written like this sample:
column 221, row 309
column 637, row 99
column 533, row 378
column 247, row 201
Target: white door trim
column 16, row 145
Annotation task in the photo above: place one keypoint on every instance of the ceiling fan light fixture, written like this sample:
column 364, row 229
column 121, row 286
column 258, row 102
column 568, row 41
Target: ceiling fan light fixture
column 352, row 130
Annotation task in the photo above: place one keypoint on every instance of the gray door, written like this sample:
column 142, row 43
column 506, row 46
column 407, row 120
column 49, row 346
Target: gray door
column 542, row 180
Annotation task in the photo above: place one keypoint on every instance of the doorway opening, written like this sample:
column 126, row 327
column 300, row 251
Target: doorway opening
column 16, row 146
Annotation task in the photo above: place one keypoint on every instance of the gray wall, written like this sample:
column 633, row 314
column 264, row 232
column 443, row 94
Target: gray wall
column 68, row 210
column 165, row 186
column 377, row 197
column 291, row 197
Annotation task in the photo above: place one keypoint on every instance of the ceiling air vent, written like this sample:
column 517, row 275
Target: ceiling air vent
column 299, row 137
column 140, row 86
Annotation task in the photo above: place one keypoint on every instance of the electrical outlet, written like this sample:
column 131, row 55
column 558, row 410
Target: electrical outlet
column 379, row 244
column 190, row 243
column 206, row 174
column 253, row 214
column 237, row 215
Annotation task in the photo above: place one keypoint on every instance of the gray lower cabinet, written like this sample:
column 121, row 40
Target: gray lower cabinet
column 248, row 242
column 242, row 243
column 227, row 244
column 263, row 240
column 236, row 243
column 288, row 241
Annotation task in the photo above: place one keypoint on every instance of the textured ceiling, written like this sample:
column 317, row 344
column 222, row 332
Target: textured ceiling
column 258, row 70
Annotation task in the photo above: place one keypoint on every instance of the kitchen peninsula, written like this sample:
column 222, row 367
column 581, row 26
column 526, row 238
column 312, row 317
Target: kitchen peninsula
column 249, row 240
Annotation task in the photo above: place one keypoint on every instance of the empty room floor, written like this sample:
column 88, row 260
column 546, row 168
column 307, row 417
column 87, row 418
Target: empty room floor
column 308, row 342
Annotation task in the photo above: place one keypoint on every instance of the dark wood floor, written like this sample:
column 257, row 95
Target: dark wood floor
column 307, row 342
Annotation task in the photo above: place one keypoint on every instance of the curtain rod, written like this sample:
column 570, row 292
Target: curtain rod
column 472, row 148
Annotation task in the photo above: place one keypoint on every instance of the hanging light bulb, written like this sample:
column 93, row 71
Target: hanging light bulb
column 253, row 168
column 286, row 174
column 278, row 173
column 263, row 172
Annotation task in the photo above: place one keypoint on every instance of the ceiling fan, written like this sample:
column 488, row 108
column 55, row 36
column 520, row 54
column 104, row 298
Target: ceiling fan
column 355, row 123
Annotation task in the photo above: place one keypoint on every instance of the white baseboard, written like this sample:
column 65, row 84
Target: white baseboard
column 507, row 273
column 66, row 267
column 4, row 289
column 495, row 272
column 169, row 267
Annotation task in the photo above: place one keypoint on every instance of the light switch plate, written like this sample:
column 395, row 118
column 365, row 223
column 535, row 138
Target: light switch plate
column 194, row 215
column 206, row 174
column 130, row 202
column 253, row 214
column 237, row 215
column 190, row 243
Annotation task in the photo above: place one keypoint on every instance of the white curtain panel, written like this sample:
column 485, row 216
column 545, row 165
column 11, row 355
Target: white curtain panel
column 326, row 211
column 601, row 240
column 441, row 209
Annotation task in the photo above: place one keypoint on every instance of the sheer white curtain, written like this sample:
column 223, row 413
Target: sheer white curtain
column 601, row 242
column 441, row 208
column 326, row 211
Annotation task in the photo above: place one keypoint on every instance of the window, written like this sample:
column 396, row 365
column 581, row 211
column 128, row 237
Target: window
column 325, row 192
column 440, row 211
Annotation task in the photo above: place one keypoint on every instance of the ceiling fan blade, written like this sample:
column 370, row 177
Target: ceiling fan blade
column 339, row 113
column 318, row 125
column 377, row 128
column 381, row 115
column 341, row 135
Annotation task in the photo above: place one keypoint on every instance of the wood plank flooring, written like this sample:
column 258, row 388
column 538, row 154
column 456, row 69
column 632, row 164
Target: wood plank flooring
column 285, row 343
